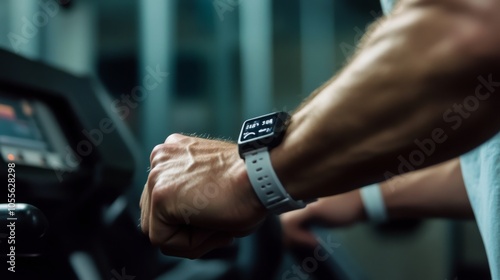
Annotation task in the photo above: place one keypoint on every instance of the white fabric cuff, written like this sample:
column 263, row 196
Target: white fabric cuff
column 374, row 203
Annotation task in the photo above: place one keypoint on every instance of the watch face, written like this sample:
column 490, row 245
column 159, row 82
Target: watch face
column 258, row 128
column 262, row 132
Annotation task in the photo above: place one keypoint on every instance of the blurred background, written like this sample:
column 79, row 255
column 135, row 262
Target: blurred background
column 203, row 67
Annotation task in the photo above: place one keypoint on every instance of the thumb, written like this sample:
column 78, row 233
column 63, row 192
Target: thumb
column 300, row 237
column 295, row 230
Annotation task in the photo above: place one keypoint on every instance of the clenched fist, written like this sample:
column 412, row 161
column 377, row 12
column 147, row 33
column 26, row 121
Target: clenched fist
column 198, row 197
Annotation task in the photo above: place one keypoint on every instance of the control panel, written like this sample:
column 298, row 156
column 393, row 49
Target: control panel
column 30, row 134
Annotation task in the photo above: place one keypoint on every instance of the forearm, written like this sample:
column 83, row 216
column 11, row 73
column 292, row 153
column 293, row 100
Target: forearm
column 411, row 71
column 434, row 192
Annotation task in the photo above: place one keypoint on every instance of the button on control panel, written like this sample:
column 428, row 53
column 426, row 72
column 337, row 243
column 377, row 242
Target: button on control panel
column 29, row 157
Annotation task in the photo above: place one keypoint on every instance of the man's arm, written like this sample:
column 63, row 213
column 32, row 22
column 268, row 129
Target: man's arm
column 412, row 70
column 434, row 192
column 422, row 74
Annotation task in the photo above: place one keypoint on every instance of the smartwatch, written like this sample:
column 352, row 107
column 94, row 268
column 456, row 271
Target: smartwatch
column 257, row 138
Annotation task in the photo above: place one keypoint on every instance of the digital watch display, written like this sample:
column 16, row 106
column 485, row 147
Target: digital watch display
column 258, row 136
column 264, row 131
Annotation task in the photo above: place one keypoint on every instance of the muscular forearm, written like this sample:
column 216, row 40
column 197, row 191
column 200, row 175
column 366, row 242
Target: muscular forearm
column 411, row 71
column 406, row 85
column 437, row 191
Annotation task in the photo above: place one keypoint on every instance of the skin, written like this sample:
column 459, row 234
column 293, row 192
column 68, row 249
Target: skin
column 185, row 173
column 416, row 64
column 434, row 192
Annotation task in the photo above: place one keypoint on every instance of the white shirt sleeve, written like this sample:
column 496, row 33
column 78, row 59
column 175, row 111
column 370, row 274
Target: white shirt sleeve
column 387, row 5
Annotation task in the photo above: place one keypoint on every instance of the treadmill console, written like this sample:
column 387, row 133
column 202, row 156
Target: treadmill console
column 51, row 128
column 30, row 134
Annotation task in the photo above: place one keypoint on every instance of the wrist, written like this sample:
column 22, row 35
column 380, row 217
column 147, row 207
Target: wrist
column 339, row 210
column 286, row 159
column 374, row 204
column 243, row 187
column 360, row 213
column 258, row 137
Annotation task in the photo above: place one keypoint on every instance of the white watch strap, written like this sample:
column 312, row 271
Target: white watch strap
column 374, row 203
column 266, row 184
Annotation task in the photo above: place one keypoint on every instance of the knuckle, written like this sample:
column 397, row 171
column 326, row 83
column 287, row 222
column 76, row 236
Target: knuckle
column 156, row 196
column 159, row 191
column 157, row 150
column 151, row 185
column 175, row 137
column 153, row 176
column 161, row 198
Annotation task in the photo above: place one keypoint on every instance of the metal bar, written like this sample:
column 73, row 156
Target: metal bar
column 224, row 77
column 157, row 39
column 23, row 36
column 256, row 57
column 69, row 37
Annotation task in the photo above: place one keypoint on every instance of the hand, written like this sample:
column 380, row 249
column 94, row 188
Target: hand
column 198, row 197
column 334, row 211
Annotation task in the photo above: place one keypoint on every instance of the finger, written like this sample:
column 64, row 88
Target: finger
column 185, row 238
column 216, row 241
column 149, row 203
column 245, row 232
column 157, row 151
column 295, row 231
column 300, row 237
column 159, row 229
column 294, row 219
column 141, row 201
column 145, row 209
column 141, row 207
